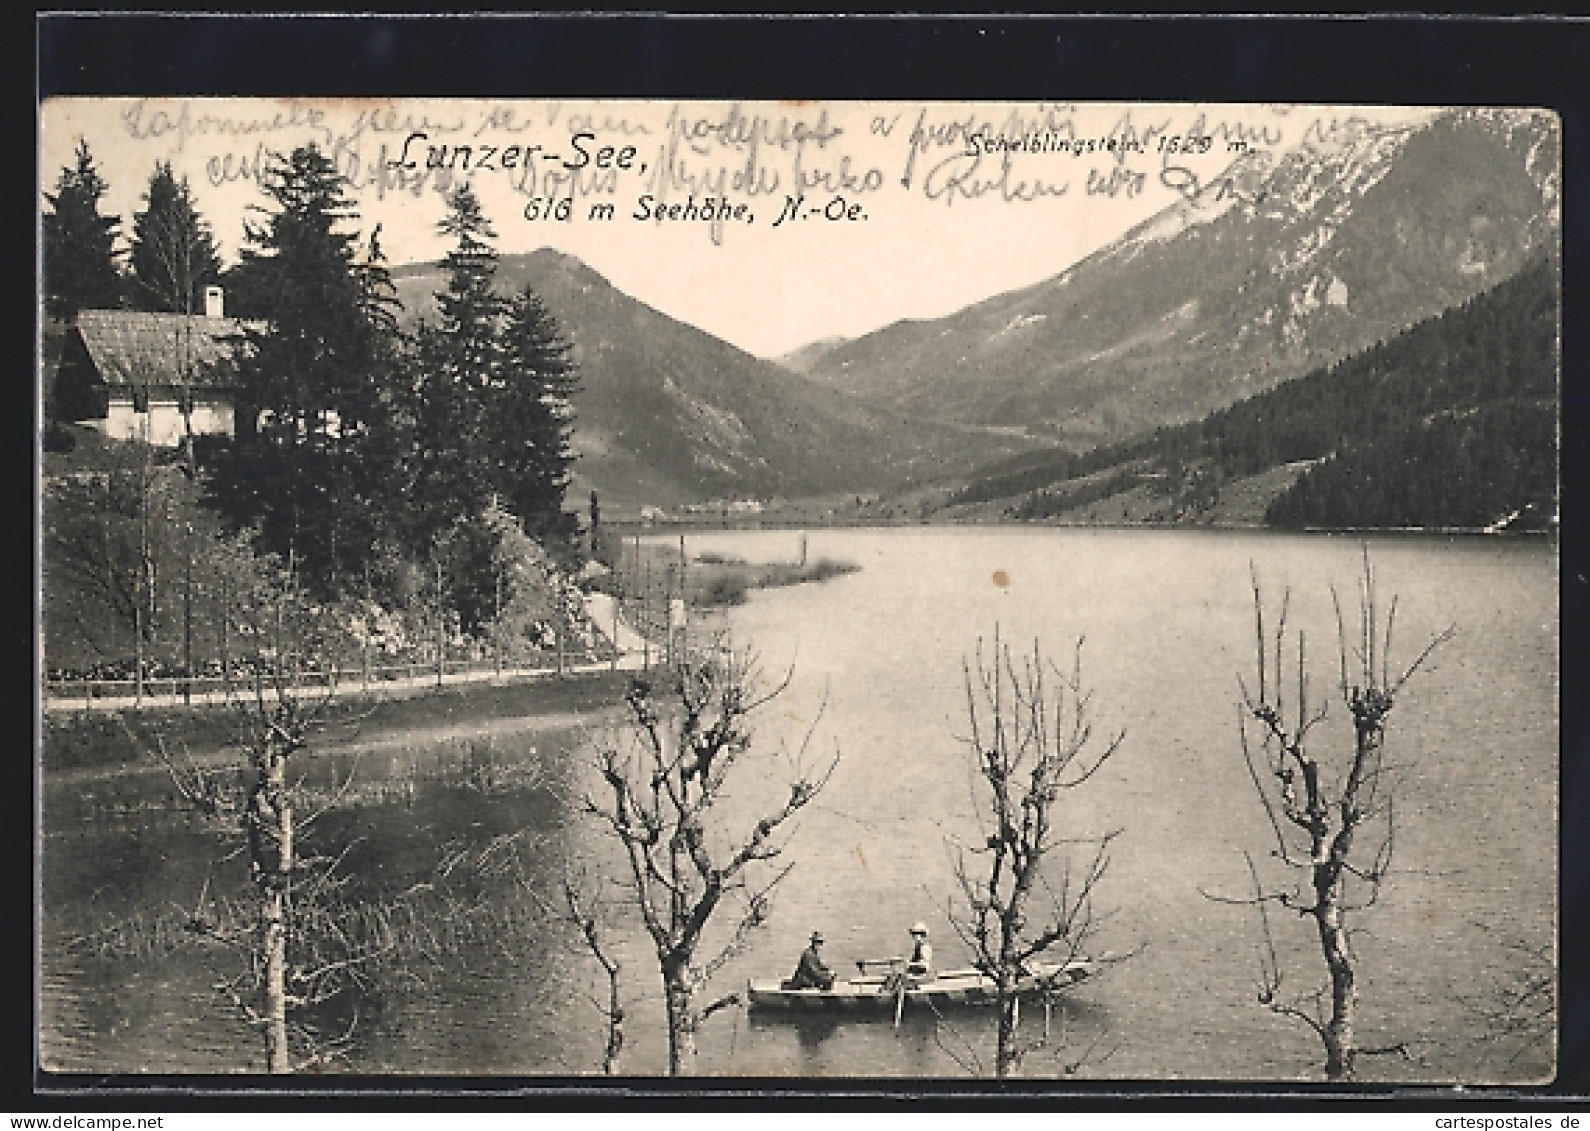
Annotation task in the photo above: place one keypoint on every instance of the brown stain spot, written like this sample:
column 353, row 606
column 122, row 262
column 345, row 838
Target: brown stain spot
column 861, row 856
column 1002, row 579
column 796, row 103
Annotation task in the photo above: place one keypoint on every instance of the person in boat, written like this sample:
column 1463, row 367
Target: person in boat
column 811, row 973
column 919, row 966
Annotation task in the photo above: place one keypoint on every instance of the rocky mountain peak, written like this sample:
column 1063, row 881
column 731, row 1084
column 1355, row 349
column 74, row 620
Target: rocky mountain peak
column 1289, row 259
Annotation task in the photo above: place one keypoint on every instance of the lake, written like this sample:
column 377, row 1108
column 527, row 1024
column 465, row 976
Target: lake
column 877, row 661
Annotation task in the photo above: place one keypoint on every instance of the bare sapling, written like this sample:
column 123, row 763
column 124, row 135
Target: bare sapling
column 1027, row 892
column 576, row 908
column 298, row 958
column 1516, row 1007
column 662, row 780
column 1333, row 814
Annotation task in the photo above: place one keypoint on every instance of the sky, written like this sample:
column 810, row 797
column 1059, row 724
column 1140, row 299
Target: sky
column 903, row 210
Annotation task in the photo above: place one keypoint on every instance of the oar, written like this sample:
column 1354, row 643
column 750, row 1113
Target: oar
column 899, row 991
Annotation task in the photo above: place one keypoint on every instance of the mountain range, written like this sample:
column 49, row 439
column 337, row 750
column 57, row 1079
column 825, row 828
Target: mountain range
column 1450, row 424
column 669, row 414
column 1287, row 263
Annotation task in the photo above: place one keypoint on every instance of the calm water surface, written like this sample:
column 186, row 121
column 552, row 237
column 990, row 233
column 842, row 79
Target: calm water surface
column 1167, row 618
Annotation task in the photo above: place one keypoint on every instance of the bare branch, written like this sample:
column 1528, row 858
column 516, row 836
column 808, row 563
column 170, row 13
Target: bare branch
column 1436, row 641
column 1334, row 808
column 688, row 737
column 721, row 1003
column 1031, row 742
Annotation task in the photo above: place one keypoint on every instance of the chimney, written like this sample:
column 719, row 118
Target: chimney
column 214, row 302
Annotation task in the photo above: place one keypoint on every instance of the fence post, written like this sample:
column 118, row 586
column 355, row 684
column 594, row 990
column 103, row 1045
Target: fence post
column 441, row 628
column 226, row 639
column 496, row 623
column 187, row 615
column 684, row 631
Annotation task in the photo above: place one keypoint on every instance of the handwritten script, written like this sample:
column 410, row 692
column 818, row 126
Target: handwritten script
column 582, row 162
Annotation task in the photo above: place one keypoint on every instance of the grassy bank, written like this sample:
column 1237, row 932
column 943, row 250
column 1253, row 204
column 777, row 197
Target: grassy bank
column 723, row 580
column 648, row 576
column 106, row 740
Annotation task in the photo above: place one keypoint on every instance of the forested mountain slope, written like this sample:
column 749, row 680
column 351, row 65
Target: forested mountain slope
column 667, row 413
column 1451, row 423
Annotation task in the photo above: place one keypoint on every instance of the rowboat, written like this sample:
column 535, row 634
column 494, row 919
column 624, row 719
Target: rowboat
column 948, row 988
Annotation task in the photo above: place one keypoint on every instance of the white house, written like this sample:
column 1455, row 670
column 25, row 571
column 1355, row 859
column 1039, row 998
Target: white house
column 128, row 373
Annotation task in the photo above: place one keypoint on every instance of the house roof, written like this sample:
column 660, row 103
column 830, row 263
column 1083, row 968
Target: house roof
column 129, row 347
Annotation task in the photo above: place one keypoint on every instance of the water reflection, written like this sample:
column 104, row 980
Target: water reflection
column 810, row 1029
column 1167, row 618
column 812, row 1032
column 822, row 1043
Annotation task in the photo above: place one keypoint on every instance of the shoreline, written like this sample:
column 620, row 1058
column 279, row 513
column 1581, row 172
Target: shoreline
column 671, row 528
column 86, row 747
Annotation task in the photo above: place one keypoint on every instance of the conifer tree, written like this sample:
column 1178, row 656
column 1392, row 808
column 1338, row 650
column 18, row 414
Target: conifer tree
column 459, row 370
column 535, row 420
column 314, row 371
column 490, row 409
column 492, row 391
column 173, row 252
column 81, row 271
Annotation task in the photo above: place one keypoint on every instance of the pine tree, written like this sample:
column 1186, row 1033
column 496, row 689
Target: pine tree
column 490, row 388
column 492, row 395
column 535, row 419
column 459, row 360
column 313, row 473
column 173, row 253
column 80, row 255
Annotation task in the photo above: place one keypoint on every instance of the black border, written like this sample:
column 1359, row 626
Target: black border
column 1419, row 60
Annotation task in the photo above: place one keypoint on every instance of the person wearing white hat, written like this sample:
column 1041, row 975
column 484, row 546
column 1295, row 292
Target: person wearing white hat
column 920, row 964
column 811, row 973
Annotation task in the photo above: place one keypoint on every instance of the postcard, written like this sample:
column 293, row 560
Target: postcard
column 801, row 590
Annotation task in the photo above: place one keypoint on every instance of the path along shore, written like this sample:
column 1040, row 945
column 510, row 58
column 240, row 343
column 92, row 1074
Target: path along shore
column 633, row 654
